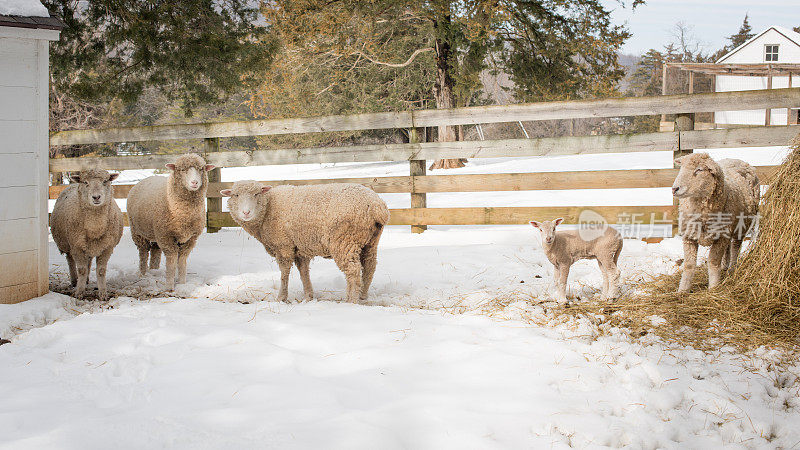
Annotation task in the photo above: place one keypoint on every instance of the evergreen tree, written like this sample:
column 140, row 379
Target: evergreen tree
column 549, row 49
column 744, row 34
column 740, row 37
column 560, row 51
column 192, row 51
column 319, row 72
column 646, row 78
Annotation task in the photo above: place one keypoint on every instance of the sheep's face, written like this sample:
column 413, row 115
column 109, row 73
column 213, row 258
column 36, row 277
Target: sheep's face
column 547, row 229
column 190, row 171
column 697, row 177
column 94, row 186
column 247, row 200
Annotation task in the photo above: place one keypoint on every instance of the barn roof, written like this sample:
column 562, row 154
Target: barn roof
column 46, row 23
column 789, row 34
column 27, row 14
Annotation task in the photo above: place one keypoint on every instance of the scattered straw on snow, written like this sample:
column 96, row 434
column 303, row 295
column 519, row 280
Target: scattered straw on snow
column 758, row 305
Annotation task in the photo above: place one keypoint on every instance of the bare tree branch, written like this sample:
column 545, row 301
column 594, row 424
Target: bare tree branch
column 409, row 61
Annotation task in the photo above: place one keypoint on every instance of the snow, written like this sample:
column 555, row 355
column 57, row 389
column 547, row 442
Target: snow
column 452, row 267
column 35, row 313
column 31, row 8
column 454, row 349
column 457, row 346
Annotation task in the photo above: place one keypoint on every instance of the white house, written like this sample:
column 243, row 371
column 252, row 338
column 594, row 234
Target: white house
column 775, row 45
column 26, row 29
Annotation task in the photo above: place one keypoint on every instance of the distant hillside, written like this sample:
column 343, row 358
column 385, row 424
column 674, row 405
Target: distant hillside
column 629, row 62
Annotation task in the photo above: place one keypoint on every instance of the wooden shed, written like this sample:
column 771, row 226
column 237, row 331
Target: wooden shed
column 26, row 30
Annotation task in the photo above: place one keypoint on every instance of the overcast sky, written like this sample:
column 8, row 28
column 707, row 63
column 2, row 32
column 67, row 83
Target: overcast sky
column 711, row 20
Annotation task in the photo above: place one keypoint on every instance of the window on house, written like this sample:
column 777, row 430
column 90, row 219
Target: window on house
column 771, row 53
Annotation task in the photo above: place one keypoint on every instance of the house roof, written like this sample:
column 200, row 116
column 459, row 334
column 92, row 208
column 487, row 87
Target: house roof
column 46, row 23
column 786, row 32
column 790, row 34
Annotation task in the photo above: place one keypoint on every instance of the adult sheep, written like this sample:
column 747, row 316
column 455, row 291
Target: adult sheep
column 297, row 223
column 718, row 205
column 87, row 223
column 167, row 214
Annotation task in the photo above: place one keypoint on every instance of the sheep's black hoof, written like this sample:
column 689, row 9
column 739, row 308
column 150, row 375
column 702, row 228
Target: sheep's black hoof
column 4, row 341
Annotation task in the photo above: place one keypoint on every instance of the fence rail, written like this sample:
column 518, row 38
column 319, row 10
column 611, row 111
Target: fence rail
column 589, row 179
column 614, row 107
column 654, row 215
column 573, row 145
column 648, row 215
column 418, row 184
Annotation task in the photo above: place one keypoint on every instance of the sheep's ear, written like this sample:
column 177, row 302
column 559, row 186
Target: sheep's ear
column 170, row 166
column 210, row 167
column 535, row 224
column 75, row 177
column 714, row 170
column 558, row 221
column 264, row 189
column 113, row 176
column 225, row 192
column 678, row 161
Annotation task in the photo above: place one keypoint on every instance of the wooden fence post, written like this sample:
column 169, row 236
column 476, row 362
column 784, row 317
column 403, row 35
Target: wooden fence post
column 683, row 122
column 417, row 167
column 663, row 88
column 214, row 176
column 768, row 113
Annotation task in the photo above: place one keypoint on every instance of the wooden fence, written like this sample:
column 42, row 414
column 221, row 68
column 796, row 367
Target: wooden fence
column 418, row 184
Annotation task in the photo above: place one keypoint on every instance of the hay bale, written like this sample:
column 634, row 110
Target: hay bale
column 757, row 305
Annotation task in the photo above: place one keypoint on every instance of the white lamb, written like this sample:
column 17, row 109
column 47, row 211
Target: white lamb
column 297, row 223
column 718, row 205
column 563, row 248
column 87, row 223
column 168, row 214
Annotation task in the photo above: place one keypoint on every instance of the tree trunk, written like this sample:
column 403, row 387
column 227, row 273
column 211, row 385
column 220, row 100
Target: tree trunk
column 445, row 98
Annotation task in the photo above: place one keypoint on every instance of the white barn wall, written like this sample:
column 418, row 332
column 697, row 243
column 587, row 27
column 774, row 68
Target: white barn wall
column 24, row 73
column 43, row 166
column 727, row 83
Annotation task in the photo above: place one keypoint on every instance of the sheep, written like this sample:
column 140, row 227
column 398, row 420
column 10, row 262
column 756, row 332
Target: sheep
column 167, row 214
column 86, row 223
column 718, row 203
column 296, row 223
column 563, row 248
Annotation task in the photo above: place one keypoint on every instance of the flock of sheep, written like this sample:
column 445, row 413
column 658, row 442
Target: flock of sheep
column 345, row 221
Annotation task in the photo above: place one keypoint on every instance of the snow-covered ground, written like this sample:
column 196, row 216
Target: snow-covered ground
column 456, row 347
column 453, row 267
